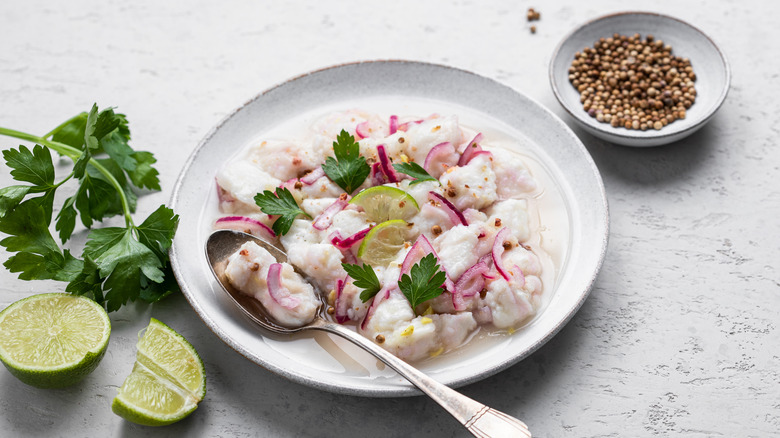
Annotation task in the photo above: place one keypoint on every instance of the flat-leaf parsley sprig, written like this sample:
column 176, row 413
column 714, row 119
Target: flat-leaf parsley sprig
column 365, row 278
column 283, row 204
column 425, row 282
column 349, row 169
column 119, row 264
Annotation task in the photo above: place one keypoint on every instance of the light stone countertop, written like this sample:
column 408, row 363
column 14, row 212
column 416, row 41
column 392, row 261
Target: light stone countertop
column 679, row 336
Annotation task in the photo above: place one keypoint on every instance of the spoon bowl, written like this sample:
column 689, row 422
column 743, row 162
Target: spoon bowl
column 480, row 420
column 222, row 244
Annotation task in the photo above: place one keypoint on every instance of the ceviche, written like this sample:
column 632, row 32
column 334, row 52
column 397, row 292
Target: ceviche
column 416, row 231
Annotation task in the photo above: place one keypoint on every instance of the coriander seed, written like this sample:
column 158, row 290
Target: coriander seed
column 632, row 83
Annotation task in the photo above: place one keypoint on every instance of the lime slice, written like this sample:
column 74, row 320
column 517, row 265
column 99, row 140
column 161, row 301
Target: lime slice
column 167, row 382
column 383, row 242
column 53, row 340
column 383, row 203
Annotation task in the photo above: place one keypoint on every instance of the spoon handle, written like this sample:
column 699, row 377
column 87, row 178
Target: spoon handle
column 480, row 420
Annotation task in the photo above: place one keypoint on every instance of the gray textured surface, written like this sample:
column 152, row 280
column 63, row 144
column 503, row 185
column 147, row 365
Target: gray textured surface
column 679, row 336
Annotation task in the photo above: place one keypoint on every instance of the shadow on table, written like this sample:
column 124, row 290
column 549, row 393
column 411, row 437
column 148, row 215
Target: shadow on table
column 659, row 165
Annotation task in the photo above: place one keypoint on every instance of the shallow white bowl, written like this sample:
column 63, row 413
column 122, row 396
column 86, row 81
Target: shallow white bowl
column 713, row 75
column 332, row 364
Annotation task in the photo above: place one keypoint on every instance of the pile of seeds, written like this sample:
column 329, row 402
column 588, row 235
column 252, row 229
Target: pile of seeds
column 634, row 83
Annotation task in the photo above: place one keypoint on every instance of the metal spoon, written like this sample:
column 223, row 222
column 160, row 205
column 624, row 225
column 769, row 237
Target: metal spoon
column 480, row 420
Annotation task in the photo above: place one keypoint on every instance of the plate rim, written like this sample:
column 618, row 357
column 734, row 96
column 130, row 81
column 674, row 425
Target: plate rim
column 660, row 138
column 409, row 390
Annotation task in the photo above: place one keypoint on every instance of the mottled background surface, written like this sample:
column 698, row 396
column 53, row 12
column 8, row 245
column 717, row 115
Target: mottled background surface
column 679, row 336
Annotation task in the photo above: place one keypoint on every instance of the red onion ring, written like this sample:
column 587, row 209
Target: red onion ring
column 378, row 298
column 439, row 158
column 498, row 249
column 245, row 224
column 384, row 164
column 350, row 241
column 455, row 215
column 278, row 292
column 393, row 124
column 340, row 306
column 468, row 151
column 362, row 130
column 312, row 177
column 324, row 219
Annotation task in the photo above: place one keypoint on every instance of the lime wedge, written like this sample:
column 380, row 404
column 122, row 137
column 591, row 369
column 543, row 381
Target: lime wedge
column 53, row 340
column 383, row 242
column 167, row 382
column 383, row 203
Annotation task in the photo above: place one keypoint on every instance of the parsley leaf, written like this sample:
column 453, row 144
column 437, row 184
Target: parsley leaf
column 119, row 264
column 11, row 196
column 349, row 169
column 425, row 282
column 38, row 255
column 283, row 204
column 415, row 171
column 365, row 278
column 31, row 166
column 122, row 261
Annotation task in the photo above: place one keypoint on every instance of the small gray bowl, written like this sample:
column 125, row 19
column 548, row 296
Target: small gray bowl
column 713, row 75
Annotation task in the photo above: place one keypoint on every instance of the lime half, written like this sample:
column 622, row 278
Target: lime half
column 383, row 203
column 383, row 242
column 53, row 340
column 167, row 382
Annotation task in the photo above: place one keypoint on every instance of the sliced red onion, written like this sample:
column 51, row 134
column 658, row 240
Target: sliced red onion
column 278, row 292
column 336, row 239
column 519, row 276
column 475, row 141
column 482, row 153
column 405, row 126
column 324, row 219
column 245, row 224
column 471, row 148
column 362, row 130
column 420, row 249
column 455, row 215
column 384, row 164
column 440, row 158
column 472, row 281
column 341, row 305
column 378, row 298
column 469, row 284
column 489, row 276
column 349, row 257
column 378, row 177
column 498, row 249
column 393, row 124
column 312, row 177
column 348, row 242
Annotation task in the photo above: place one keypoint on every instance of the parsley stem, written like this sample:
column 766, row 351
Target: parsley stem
column 57, row 129
column 74, row 154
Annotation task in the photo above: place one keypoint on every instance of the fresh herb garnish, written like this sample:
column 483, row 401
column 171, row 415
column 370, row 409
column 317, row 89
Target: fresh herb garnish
column 415, row 171
column 281, row 203
column 365, row 278
column 349, row 169
column 119, row 264
column 425, row 282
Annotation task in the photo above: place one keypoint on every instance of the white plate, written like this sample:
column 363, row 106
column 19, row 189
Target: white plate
column 407, row 88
